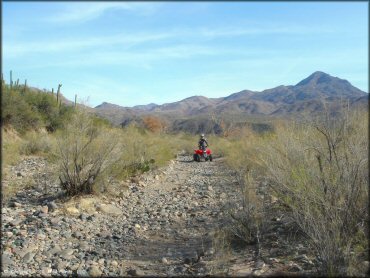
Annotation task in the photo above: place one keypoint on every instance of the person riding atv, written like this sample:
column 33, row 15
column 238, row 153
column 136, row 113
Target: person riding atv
column 203, row 144
column 203, row 152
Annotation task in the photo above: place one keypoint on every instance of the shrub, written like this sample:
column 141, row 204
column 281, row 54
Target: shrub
column 154, row 124
column 35, row 143
column 26, row 109
column 85, row 152
column 15, row 111
column 11, row 144
column 319, row 170
column 247, row 225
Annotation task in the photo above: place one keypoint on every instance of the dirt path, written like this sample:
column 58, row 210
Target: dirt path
column 163, row 224
column 169, row 222
column 182, row 212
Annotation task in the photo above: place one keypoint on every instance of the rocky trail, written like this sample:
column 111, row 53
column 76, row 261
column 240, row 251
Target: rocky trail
column 165, row 223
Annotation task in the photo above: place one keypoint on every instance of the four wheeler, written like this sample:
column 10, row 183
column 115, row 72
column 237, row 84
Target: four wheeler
column 200, row 154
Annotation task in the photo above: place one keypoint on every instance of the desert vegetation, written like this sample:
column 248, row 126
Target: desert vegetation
column 314, row 170
column 317, row 170
column 87, row 149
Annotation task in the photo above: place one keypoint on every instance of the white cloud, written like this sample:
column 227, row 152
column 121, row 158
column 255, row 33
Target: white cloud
column 82, row 12
column 125, row 40
column 144, row 59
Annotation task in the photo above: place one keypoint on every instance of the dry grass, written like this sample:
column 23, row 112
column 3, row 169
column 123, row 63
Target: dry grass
column 36, row 143
column 10, row 147
column 319, row 169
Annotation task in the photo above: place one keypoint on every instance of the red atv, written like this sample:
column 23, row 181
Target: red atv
column 200, row 154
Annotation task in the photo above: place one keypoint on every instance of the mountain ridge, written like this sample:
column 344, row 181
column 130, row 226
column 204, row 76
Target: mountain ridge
column 307, row 96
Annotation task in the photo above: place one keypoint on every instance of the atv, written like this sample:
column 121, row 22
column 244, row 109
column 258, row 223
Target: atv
column 200, row 154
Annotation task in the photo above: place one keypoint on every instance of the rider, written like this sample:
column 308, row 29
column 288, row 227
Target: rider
column 203, row 144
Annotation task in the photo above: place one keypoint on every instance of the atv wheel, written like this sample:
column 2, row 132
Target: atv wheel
column 196, row 157
column 210, row 158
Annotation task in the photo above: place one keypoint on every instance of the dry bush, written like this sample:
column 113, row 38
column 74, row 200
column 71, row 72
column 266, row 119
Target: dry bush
column 218, row 145
column 154, row 124
column 144, row 150
column 320, row 171
column 85, row 152
column 247, row 225
column 36, row 142
column 11, row 143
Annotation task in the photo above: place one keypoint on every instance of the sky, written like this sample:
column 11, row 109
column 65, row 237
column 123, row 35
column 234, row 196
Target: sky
column 134, row 53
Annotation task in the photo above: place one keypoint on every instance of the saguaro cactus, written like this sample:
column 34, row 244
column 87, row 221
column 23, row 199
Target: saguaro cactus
column 25, row 86
column 11, row 79
column 58, row 92
column 75, row 100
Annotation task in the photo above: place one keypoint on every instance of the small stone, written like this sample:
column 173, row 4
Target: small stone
column 137, row 226
column 74, row 267
column 15, row 222
column 46, row 271
column 66, row 253
column 246, row 271
column 95, row 271
column 260, row 264
column 52, row 206
column 295, row 268
column 72, row 210
column 135, row 272
column 8, row 234
column 114, row 263
column 101, row 261
column 258, row 272
column 28, row 257
column 180, row 269
column 44, row 209
column 84, row 246
column 62, row 266
column 83, row 217
column 164, row 260
column 110, row 209
column 274, row 251
column 42, row 215
column 6, row 260
column 55, row 250
column 41, row 236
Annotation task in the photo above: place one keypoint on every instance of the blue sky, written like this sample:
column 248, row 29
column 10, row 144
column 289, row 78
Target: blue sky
column 136, row 53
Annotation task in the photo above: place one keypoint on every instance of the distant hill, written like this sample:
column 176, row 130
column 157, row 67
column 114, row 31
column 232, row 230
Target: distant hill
column 195, row 113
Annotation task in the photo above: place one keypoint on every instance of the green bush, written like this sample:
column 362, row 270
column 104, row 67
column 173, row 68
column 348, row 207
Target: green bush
column 26, row 109
column 15, row 111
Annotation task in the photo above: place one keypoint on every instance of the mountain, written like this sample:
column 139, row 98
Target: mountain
column 148, row 107
column 308, row 96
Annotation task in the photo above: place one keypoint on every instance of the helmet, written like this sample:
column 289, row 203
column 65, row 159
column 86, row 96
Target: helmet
column 202, row 135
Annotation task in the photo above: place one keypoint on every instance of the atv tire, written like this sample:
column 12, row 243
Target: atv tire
column 196, row 157
column 210, row 157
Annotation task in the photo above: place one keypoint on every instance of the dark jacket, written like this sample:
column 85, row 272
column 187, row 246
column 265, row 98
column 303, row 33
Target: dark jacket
column 203, row 143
